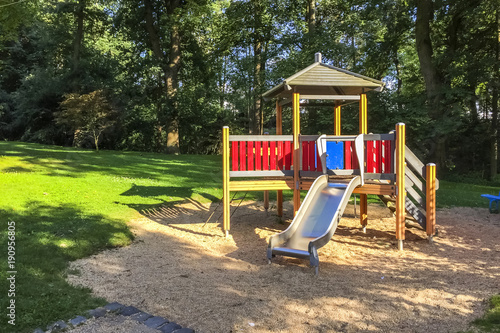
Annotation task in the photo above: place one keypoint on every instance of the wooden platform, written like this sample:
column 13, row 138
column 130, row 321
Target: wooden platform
column 286, row 183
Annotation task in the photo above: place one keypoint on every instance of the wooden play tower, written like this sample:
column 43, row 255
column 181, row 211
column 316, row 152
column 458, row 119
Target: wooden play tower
column 291, row 162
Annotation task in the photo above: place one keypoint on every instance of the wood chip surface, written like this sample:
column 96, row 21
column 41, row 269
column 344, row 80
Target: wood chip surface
column 188, row 272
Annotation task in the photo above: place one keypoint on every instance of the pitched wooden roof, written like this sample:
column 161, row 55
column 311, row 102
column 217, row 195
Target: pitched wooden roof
column 322, row 81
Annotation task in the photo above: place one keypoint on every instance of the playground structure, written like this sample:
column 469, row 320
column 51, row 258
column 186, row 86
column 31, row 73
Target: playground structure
column 385, row 167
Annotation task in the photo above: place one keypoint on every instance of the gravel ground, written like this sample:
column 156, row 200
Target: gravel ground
column 188, row 272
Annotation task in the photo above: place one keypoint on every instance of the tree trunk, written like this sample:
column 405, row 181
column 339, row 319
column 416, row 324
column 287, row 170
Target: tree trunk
column 172, row 81
column 433, row 84
column 154, row 39
column 311, row 17
column 494, row 105
column 258, row 70
column 257, row 89
column 425, row 52
column 96, row 139
column 78, row 39
column 170, row 69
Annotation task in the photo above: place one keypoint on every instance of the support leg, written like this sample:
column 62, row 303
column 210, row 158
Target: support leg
column 363, row 214
column 266, row 200
column 279, row 203
column 296, row 201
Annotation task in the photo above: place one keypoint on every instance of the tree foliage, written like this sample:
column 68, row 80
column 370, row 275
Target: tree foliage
column 176, row 71
column 87, row 114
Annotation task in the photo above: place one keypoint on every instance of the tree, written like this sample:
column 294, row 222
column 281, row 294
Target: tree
column 87, row 114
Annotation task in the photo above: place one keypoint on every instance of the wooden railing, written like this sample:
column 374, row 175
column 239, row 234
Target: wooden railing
column 272, row 155
column 379, row 156
column 421, row 185
column 261, row 155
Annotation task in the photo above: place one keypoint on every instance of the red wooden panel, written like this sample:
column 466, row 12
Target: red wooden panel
column 379, row 157
column 386, row 158
column 234, row 155
column 265, row 155
column 354, row 158
column 348, row 155
column 243, row 156
column 288, row 155
column 319, row 166
column 272, row 155
column 312, row 155
column 369, row 156
column 250, row 155
column 258, row 156
column 281, row 155
column 305, row 153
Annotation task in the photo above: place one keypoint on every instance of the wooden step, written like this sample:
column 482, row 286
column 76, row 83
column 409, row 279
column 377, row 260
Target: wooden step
column 413, row 212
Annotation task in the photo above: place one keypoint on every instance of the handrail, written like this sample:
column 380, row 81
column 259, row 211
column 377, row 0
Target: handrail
column 366, row 137
column 261, row 138
column 414, row 162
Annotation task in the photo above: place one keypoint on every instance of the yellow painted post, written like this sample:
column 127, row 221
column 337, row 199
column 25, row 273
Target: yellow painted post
column 363, row 129
column 338, row 109
column 430, row 189
column 279, row 131
column 266, row 192
column 363, row 114
column 296, row 152
column 400, row 184
column 225, row 180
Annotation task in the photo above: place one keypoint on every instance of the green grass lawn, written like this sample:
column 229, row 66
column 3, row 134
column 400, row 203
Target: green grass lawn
column 451, row 194
column 69, row 203
column 490, row 322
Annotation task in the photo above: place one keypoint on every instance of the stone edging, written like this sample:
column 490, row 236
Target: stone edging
column 154, row 322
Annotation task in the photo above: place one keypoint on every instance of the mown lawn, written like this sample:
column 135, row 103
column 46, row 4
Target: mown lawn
column 451, row 194
column 69, row 203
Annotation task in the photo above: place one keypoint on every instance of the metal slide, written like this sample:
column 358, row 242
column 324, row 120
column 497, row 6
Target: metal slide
column 317, row 218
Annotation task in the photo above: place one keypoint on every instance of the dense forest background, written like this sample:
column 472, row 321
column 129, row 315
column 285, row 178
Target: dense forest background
column 166, row 75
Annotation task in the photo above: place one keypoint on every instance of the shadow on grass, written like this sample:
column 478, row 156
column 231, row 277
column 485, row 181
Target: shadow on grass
column 167, row 210
column 47, row 238
column 71, row 162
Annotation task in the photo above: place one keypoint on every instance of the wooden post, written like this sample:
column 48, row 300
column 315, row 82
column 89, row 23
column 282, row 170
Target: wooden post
column 266, row 193
column 296, row 152
column 279, row 131
column 363, row 129
column 225, row 180
column 363, row 118
column 338, row 123
column 430, row 198
column 400, row 184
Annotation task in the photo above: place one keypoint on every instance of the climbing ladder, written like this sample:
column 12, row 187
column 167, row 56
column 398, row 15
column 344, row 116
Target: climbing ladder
column 416, row 189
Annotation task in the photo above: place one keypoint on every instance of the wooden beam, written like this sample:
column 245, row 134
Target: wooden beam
column 431, row 200
column 400, row 183
column 225, row 180
column 338, row 109
column 285, row 101
column 261, row 185
column 296, row 151
column 363, row 129
column 375, row 189
column 260, row 138
column 363, row 118
column 279, row 131
column 332, row 97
